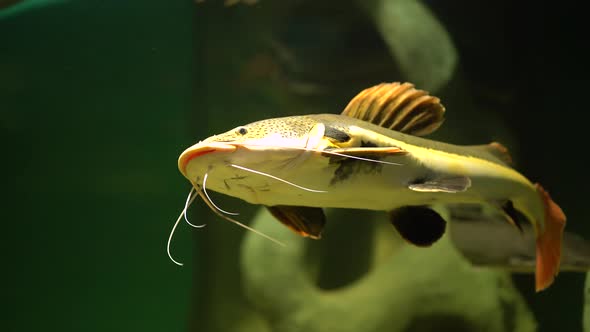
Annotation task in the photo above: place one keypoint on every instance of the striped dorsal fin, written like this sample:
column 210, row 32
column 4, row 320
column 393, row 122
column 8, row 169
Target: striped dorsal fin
column 399, row 107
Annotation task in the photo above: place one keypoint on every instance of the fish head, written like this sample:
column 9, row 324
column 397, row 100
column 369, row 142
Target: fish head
column 266, row 146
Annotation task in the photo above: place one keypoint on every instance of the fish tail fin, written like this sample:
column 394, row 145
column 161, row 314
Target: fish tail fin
column 549, row 242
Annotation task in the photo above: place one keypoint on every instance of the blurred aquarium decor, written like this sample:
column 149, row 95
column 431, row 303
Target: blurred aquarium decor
column 98, row 99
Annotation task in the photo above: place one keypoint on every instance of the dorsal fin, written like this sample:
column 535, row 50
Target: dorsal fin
column 497, row 150
column 398, row 107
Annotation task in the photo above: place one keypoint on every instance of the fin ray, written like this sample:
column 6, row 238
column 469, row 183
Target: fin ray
column 303, row 220
column 549, row 242
column 398, row 107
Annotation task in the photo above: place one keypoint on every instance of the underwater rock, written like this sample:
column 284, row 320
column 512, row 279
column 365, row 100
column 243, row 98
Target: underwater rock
column 475, row 234
column 407, row 289
column 587, row 304
column 19, row 7
column 419, row 43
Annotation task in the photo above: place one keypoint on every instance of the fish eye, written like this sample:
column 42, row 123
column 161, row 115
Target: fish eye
column 242, row 131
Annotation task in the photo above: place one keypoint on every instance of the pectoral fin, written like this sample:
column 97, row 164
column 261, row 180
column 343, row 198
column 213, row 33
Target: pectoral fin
column 452, row 184
column 419, row 225
column 305, row 221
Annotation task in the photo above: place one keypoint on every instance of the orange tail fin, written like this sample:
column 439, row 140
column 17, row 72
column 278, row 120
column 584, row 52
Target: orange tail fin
column 549, row 242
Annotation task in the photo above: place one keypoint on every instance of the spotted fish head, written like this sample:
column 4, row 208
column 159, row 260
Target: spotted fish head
column 277, row 131
column 260, row 145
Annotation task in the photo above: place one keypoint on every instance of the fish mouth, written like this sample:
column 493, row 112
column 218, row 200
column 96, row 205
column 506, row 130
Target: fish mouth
column 201, row 149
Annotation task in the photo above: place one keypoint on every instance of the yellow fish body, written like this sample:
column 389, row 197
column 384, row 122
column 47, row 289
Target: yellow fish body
column 370, row 157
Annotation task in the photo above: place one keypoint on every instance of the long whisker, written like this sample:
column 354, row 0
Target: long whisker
column 357, row 157
column 277, row 178
column 210, row 200
column 203, row 195
column 328, row 152
column 182, row 213
column 170, row 240
column 189, row 200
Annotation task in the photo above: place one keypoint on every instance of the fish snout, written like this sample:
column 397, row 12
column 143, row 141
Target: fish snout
column 201, row 149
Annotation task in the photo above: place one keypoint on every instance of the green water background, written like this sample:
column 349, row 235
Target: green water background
column 97, row 99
